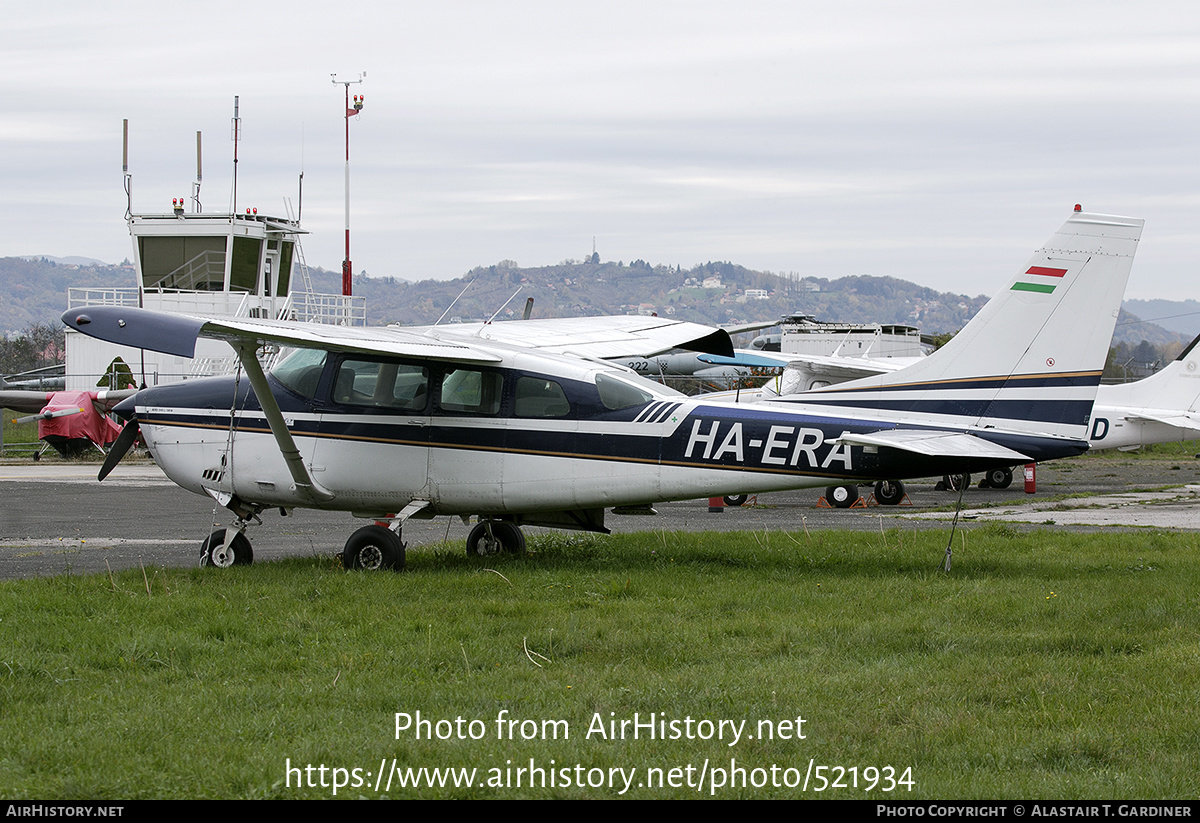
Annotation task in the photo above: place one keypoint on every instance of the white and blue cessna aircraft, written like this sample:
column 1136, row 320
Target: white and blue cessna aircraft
column 522, row 423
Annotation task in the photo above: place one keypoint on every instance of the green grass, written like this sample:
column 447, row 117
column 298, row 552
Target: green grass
column 1041, row 666
column 18, row 438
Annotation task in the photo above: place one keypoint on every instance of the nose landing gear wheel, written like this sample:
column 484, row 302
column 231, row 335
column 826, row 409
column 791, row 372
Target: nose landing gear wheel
column 214, row 553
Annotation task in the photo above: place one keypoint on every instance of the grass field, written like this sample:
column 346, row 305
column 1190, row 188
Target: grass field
column 1041, row 666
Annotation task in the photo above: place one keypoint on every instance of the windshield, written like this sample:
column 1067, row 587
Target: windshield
column 301, row 371
column 629, row 390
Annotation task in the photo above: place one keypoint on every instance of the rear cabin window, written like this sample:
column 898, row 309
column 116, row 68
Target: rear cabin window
column 471, row 391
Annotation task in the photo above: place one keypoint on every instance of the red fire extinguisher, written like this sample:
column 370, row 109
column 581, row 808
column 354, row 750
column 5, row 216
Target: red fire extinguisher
column 1030, row 478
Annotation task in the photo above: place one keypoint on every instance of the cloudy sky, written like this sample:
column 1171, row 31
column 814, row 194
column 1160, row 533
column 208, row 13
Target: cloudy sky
column 940, row 142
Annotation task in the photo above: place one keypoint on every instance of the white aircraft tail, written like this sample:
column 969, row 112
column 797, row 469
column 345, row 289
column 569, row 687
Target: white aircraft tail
column 1175, row 388
column 1031, row 360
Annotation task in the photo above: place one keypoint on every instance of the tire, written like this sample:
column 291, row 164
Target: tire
column 242, row 554
column 956, row 482
column 505, row 537
column 842, row 497
column 373, row 548
column 889, row 492
column 736, row 499
column 999, row 478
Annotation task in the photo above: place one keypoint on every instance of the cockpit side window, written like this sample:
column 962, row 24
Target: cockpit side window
column 301, row 371
column 539, row 397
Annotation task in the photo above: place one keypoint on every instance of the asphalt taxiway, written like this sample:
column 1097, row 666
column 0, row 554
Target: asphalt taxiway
column 55, row 518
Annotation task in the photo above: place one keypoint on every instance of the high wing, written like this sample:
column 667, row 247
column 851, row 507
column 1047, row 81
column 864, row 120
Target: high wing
column 597, row 337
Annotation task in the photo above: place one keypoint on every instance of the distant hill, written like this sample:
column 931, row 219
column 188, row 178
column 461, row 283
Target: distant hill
column 69, row 261
column 712, row 293
column 35, row 289
column 1182, row 316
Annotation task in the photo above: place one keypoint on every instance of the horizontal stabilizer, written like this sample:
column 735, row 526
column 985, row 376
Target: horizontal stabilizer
column 1181, row 420
column 935, row 444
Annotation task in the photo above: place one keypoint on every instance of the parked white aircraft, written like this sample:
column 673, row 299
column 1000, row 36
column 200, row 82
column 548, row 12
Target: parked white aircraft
column 518, row 424
column 1161, row 408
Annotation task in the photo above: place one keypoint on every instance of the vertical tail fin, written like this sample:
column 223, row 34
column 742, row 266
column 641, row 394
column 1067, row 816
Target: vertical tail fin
column 1175, row 388
column 1030, row 361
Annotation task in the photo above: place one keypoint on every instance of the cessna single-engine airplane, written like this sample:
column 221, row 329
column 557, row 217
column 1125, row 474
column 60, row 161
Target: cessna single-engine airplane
column 518, row 424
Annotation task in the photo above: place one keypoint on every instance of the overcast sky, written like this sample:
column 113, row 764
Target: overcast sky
column 939, row 142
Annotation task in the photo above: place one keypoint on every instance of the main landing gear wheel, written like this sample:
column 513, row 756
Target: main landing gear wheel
column 889, row 492
column 373, row 547
column 842, row 497
column 214, row 553
column 998, row 478
column 493, row 537
column 956, row 482
column 736, row 499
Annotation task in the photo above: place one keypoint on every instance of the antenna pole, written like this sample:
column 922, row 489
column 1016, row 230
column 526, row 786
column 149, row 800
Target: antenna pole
column 351, row 111
column 236, row 125
column 125, row 169
column 199, row 177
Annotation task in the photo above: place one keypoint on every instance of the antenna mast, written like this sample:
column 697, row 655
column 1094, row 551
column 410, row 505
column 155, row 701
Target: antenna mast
column 125, row 169
column 199, row 176
column 235, row 125
column 351, row 111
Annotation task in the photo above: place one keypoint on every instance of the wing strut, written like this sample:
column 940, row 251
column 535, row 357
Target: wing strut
column 287, row 446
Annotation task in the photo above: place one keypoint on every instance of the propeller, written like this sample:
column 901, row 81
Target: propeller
column 48, row 415
column 123, row 443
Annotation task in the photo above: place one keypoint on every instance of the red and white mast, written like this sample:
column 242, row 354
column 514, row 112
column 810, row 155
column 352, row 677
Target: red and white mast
column 351, row 110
